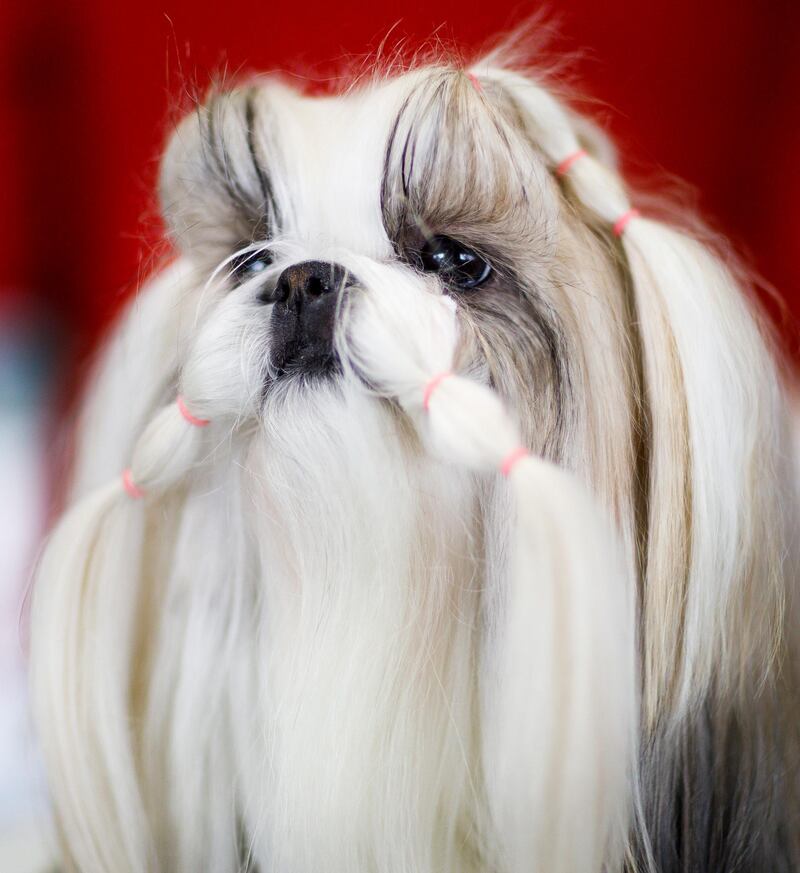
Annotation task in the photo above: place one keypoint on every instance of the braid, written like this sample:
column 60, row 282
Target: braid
column 214, row 388
column 566, row 592
column 696, row 335
column 169, row 447
column 92, row 566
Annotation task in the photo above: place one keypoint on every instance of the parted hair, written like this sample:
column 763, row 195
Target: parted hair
column 514, row 590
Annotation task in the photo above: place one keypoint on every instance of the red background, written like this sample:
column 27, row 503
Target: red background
column 706, row 90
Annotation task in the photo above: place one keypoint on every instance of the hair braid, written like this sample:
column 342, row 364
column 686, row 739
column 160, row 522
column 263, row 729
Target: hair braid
column 562, row 597
column 711, row 398
column 91, row 568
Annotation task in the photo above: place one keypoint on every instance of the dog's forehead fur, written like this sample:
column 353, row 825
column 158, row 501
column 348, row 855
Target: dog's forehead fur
column 324, row 156
column 356, row 170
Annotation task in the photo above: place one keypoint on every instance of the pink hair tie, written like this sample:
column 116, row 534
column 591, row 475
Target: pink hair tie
column 130, row 486
column 434, row 383
column 564, row 167
column 193, row 420
column 622, row 222
column 512, row 459
column 476, row 82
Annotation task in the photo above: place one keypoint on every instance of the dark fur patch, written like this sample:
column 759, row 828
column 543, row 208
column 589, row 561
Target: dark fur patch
column 718, row 792
column 242, row 186
column 269, row 207
column 218, row 161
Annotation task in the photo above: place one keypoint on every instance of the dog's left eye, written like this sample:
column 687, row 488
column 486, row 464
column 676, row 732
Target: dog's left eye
column 454, row 262
column 248, row 265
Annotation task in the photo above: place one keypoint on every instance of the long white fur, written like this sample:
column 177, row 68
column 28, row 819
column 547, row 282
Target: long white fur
column 92, row 567
column 264, row 644
column 559, row 729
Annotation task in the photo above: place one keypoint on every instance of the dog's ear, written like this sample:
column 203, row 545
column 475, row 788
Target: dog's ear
column 713, row 410
column 715, row 494
column 109, row 610
column 213, row 189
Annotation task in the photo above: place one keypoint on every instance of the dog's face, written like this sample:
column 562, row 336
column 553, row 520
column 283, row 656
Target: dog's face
column 301, row 207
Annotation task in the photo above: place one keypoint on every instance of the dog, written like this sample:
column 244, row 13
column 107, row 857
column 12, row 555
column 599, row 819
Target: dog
column 433, row 511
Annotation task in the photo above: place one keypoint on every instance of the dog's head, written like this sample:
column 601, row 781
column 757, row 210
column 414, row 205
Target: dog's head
column 434, row 184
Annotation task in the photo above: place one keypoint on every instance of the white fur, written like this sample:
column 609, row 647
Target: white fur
column 331, row 630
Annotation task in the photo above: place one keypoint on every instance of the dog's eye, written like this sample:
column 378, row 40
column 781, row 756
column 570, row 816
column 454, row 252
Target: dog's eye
column 455, row 263
column 248, row 265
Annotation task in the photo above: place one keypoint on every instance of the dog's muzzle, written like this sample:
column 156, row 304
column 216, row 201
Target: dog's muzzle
column 306, row 299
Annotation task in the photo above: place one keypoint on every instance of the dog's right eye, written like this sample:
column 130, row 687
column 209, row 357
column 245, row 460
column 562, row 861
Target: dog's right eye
column 248, row 265
column 456, row 264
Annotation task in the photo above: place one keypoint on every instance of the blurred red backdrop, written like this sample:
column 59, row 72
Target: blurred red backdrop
column 707, row 91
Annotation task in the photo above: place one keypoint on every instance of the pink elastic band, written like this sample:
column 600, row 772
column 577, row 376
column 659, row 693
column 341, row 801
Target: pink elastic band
column 476, row 82
column 563, row 168
column 130, row 486
column 197, row 422
column 434, row 383
column 622, row 222
column 512, row 458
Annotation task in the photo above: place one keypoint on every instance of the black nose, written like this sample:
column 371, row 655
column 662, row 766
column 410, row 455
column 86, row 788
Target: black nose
column 306, row 299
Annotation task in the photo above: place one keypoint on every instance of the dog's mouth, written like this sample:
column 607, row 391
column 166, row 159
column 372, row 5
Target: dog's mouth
column 304, row 365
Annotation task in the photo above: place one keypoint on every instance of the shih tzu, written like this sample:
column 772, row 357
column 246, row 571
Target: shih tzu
column 434, row 512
